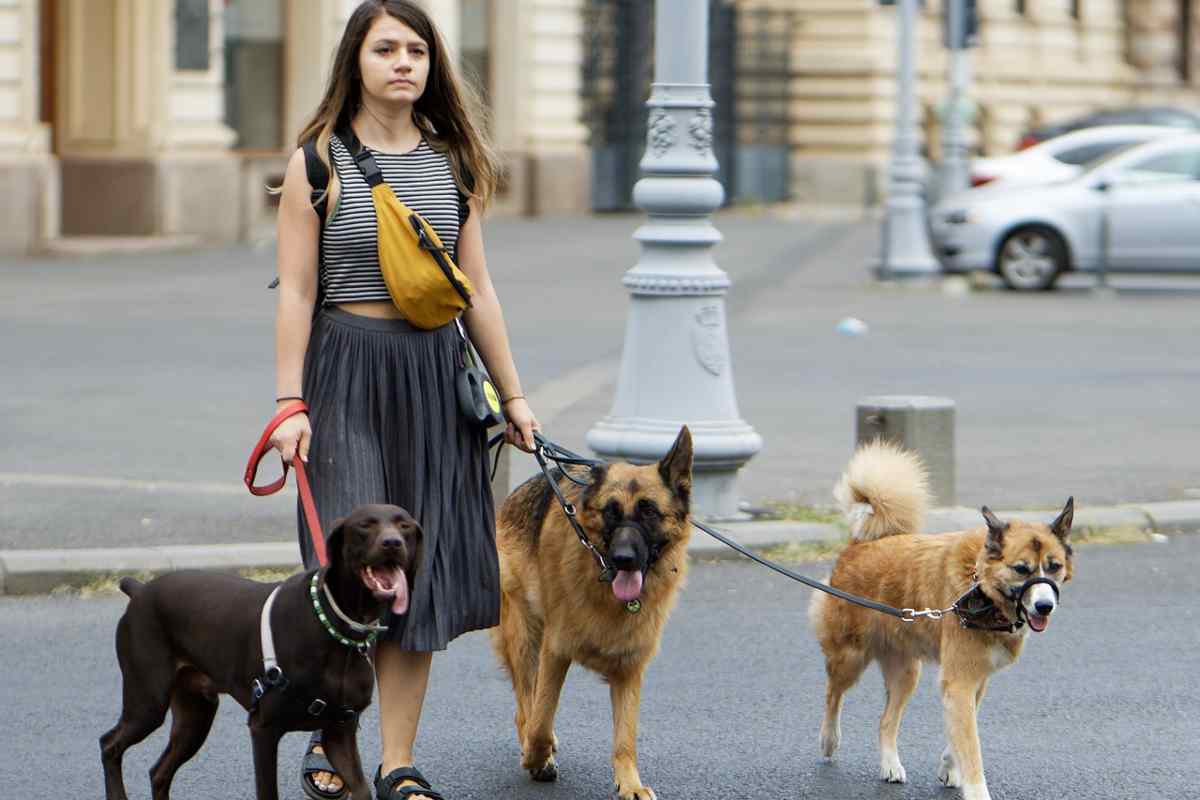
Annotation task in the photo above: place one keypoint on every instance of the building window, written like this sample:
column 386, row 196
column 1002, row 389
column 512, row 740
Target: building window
column 191, row 34
column 254, row 73
column 475, row 50
column 1186, row 24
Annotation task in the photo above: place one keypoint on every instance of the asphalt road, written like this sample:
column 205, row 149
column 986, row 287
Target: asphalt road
column 1103, row 705
column 158, row 368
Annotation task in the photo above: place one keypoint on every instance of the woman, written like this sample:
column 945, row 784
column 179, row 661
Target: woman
column 384, row 424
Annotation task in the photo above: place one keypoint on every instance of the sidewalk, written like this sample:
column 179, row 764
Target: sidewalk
column 24, row 572
column 135, row 384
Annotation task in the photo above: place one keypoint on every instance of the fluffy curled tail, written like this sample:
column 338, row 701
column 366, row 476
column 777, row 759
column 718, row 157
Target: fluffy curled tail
column 884, row 491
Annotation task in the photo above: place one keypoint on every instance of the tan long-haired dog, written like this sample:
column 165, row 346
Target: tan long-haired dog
column 884, row 494
column 554, row 610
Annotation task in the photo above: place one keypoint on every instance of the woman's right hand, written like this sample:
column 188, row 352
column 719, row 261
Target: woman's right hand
column 292, row 432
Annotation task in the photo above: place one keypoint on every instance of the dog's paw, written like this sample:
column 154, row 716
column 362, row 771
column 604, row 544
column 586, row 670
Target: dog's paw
column 546, row 773
column 948, row 771
column 976, row 791
column 831, row 738
column 891, row 770
column 630, row 793
column 539, row 760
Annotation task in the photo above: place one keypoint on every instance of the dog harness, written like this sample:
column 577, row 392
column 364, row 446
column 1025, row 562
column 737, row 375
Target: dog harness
column 273, row 677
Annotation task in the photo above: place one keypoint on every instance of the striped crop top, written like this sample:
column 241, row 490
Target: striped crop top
column 421, row 179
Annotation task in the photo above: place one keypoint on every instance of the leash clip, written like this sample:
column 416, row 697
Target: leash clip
column 911, row 614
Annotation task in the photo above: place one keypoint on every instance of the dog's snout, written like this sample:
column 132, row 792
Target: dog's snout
column 624, row 558
column 1044, row 607
column 391, row 542
column 627, row 551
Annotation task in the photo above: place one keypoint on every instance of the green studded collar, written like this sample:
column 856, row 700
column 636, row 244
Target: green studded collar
column 314, row 593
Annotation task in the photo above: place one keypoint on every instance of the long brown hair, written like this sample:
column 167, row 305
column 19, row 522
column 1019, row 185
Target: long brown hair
column 449, row 112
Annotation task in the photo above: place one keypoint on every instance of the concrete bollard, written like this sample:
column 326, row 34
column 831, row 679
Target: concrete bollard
column 923, row 425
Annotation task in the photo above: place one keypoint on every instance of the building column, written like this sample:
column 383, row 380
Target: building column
column 29, row 176
column 537, row 74
column 1154, row 42
column 447, row 15
column 140, row 135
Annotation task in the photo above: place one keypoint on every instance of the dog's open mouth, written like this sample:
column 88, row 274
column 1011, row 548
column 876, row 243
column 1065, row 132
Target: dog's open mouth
column 627, row 585
column 388, row 581
column 1038, row 623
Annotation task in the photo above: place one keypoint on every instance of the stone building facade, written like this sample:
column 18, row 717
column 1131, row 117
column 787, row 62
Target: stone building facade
column 168, row 117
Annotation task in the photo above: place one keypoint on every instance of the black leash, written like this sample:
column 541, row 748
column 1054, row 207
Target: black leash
column 904, row 614
column 549, row 451
column 546, row 450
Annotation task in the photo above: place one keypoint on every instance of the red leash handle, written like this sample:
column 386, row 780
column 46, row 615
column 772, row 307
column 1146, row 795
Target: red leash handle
column 306, row 498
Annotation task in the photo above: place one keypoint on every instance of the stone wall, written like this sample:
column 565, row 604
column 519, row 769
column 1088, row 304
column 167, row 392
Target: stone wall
column 1028, row 69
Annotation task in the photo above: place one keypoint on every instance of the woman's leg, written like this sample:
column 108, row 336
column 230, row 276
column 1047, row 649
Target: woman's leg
column 403, row 677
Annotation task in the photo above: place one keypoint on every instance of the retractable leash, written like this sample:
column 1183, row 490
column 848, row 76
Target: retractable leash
column 306, row 498
column 549, row 451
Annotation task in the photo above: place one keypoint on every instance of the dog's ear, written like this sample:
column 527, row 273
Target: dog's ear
column 676, row 466
column 995, row 537
column 1061, row 527
column 334, row 541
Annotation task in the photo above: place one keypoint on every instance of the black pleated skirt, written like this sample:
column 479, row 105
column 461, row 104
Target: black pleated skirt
column 387, row 429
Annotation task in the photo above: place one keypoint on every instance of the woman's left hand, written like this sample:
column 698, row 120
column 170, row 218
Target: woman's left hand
column 521, row 424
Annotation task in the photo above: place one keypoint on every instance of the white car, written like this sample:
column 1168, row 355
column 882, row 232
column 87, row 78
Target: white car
column 1148, row 194
column 1063, row 156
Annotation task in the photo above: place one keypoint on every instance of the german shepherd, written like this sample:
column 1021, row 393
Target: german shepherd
column 555, row 611
column 884, row 494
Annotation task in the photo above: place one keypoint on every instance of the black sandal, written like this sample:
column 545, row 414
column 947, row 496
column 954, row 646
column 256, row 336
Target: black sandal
column 386, row 786
column 312, row 764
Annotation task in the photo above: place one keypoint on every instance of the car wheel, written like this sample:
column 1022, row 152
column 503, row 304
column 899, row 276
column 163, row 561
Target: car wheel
column 1031, row 259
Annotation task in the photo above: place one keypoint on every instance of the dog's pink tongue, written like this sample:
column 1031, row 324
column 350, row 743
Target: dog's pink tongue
column 1038, row 623
column 400, row 599
column 627, row 585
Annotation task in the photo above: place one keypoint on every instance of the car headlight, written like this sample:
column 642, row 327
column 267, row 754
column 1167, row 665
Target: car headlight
column 956, row 217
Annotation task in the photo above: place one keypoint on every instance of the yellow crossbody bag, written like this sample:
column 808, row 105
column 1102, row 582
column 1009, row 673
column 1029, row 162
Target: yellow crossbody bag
column 425, row 284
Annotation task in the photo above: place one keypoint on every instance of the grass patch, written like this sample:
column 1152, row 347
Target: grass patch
column 109, row 585
column 795, row 512
column 1124, row 535
column 803, row 552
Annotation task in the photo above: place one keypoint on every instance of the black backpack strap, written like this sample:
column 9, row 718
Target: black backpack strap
column 318, row 178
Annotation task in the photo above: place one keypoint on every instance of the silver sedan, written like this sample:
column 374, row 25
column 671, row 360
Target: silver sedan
column 1143, row 200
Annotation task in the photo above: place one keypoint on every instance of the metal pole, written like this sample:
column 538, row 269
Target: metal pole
column 676, row 367
column 955, row 175
column 1105, row 190
column 908, row 251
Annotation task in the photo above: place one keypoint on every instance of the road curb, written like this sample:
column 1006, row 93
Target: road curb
column 29, row 572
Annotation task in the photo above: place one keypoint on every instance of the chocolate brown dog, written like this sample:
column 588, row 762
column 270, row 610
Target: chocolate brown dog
column 189, row 636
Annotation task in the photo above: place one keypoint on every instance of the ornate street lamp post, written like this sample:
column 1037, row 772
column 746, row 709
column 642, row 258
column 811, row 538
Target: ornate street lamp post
column 676, row 367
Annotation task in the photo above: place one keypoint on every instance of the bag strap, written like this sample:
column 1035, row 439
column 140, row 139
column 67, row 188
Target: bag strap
column 362, row 158
column 318, row 179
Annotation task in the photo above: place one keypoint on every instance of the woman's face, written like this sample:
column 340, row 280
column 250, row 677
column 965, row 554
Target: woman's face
column 394, row 62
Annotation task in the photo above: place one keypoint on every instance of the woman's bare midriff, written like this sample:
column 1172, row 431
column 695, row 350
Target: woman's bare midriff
column 379, row 309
